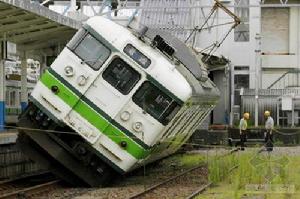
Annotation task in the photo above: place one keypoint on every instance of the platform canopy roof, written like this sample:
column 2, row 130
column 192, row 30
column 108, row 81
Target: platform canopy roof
column 33, row 26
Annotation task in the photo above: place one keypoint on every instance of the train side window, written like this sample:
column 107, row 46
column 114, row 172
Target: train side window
column 91, row 51
column 155, row 102
column 121, row 76
column 13, row 98
column 7, row 98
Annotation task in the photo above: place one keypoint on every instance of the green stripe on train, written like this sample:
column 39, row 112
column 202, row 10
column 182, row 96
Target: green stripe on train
column 93, row 117
column 64, row 93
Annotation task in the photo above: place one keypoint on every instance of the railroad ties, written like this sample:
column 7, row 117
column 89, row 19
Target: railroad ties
column 183, row 183
column 192, row 175
column 190, row 178
column 32, row 185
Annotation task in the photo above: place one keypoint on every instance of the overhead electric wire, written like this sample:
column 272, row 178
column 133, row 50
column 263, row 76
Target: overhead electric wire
column 113, row 136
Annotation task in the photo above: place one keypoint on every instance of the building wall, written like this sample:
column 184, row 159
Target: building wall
column 275, row 30
column 280, row 43
column 221, row 111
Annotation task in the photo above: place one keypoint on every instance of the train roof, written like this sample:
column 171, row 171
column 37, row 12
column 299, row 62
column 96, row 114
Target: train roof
column 182, row 52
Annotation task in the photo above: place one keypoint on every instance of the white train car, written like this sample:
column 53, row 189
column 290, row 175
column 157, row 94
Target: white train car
column 114, row 100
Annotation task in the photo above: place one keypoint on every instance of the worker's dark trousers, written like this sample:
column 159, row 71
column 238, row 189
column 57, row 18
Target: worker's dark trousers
column 243, row 139
column 269, row 141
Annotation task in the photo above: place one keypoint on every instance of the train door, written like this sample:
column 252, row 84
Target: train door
column 74, row 71
column 148, row 113
column 111, row 89
column 107, row 95
column 87, row 56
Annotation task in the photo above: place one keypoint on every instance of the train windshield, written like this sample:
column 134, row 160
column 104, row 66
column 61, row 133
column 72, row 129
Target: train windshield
column 89, row 49
column 121, row 76
column 155, row 102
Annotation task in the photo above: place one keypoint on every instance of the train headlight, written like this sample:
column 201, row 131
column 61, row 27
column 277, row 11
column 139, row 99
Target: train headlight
column 69, row 71
column 125, row 116
column 138, row 126
column 55, row 89
column 81, row 80
column 123, row 144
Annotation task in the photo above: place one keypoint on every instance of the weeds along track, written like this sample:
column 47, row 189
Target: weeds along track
column 187, row 184
column 27, row 187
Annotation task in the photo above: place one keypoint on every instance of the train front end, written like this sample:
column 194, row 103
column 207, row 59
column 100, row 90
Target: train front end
column 69, row 126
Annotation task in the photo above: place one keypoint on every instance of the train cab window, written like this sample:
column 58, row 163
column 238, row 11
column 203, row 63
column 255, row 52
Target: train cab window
column 121, row 76
column 76, row 38
column 89, row 49
column 155, row 102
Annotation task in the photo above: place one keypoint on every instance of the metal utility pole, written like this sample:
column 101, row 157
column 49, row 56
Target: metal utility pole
column 2, row 85
column 257, row 74
column 24, row 95
column 231, row 92
column 2, row 95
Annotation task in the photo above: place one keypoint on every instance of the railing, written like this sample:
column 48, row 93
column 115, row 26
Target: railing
column 290, row 79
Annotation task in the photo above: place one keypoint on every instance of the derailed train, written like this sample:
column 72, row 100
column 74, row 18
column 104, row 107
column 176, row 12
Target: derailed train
column 114, row 100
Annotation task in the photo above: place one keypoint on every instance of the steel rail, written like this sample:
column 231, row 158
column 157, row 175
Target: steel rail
column 203, row 188
column 30, row 190
column 164, row 182
column 142, row 193
column 30, row 175
column 198, row 191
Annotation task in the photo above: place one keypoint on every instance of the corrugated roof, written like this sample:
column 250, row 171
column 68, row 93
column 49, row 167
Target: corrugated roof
column 33, row 26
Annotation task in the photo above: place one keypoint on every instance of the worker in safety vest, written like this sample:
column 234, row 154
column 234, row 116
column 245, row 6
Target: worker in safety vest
column 269, row 125
column 243, row 127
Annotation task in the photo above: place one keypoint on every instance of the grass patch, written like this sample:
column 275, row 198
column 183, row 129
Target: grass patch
column 268, row 176
column 185, row 160
column 219, row 166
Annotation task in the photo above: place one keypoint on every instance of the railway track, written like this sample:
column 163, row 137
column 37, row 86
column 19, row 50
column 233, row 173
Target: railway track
column 192, row 176
column 29, row 186
column 204, row 187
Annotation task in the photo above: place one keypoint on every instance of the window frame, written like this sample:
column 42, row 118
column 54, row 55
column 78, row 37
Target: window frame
column 128, row 66
column 135, row 60
column 237, row 89
column 78, row 39
column 162, row 117
column 241, row 35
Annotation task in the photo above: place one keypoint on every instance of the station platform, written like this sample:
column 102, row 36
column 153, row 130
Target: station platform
column 12, row 161
column 8, row 136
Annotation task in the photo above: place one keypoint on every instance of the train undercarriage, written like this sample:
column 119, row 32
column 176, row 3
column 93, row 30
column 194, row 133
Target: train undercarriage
column 61, row 150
